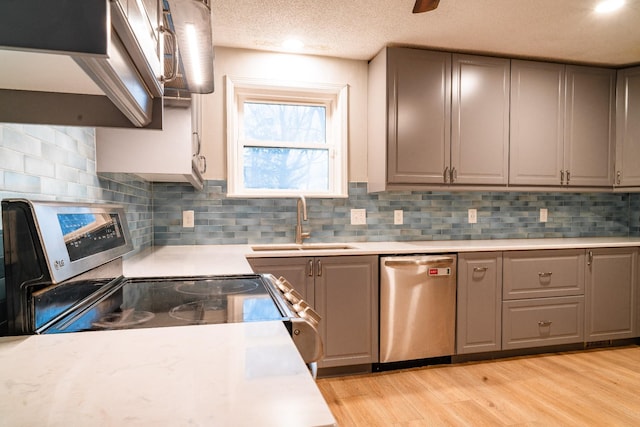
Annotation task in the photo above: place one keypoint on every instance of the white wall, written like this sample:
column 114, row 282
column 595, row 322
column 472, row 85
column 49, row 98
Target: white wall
column 285, row 67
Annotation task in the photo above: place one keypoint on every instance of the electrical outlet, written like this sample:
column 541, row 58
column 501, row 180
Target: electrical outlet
column 543, row 215
column 473, row 216
column 397, row 217
column 188, row 219
column 358, row 216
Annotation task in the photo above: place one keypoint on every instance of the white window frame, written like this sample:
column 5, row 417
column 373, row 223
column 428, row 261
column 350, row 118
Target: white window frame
column 334, row 97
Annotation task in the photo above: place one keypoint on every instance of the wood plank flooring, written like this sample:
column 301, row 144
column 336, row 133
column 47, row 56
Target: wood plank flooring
column 599, row 387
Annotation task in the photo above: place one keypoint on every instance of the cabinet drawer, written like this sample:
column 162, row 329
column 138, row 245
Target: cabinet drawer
column 544, row 321
column 536, row 274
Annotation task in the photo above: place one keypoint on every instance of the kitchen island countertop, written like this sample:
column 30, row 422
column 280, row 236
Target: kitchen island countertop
column 237, row 374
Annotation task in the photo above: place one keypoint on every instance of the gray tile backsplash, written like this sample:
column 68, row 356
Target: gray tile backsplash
column 427, row 216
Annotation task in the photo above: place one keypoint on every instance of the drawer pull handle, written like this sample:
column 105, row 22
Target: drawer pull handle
column 544, row 323
column 548, row 274
column 480, row 269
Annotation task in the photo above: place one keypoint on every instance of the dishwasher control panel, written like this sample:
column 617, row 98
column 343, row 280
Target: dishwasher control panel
column 440, row 271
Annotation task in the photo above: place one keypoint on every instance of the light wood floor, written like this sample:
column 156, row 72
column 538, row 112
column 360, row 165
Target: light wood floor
column 588, row 388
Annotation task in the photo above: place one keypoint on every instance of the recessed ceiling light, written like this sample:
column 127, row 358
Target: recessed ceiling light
column 607, row 6
column 293, row 45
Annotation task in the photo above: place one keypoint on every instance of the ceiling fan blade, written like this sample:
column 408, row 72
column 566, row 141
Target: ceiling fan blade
column 425, row 5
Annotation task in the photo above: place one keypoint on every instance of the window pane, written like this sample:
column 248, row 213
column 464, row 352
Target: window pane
column 286, row 168
column 283, row 122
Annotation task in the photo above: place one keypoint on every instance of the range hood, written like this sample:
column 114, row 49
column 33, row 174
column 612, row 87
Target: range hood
column 86, row 63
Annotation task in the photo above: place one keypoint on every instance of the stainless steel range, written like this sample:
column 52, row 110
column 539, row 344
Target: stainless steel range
column 63, row 273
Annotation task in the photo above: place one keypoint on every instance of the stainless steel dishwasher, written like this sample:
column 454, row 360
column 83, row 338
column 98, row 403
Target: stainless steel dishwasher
column 417, row 307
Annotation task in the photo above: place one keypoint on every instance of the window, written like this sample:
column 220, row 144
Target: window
column 286, row 140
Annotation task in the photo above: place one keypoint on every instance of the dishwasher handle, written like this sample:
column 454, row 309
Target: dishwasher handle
column 410, row 262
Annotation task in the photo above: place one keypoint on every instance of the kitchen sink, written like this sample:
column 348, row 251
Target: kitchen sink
column 303, row 247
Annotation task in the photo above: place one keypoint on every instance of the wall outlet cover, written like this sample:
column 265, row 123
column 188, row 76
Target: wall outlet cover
column 473, row 216
column 398, row 217
column 358, row 216
column 188, row 219
column 543, row 215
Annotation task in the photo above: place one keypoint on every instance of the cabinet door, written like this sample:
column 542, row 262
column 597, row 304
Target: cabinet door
column 589, row 123
column 480, row 120
column 297, row 270
column 628, row 128
column 419, row 101
column 479, row 312
column 611, row 294
column 347, row 299
column 537, row 110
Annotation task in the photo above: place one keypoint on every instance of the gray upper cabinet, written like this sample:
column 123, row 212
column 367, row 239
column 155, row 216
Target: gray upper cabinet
column 537, row 106
column 628, row 128
column 415, row 146
column 437, row 119
column 480, row 120
column 589, row 126
column 611, row 286
column 561, row 125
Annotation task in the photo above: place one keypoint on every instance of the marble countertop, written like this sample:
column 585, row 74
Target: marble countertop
column 238, row 374
column 232, row 259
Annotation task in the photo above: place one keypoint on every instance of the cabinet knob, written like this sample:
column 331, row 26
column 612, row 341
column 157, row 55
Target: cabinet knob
column 562, row 177
column 480, row 269
column 445, row 175
column 618, row 177
column 310, row 268
column 545, row 274
column 544, row 323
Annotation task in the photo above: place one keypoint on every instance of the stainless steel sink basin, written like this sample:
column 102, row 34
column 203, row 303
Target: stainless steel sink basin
column 303, row 247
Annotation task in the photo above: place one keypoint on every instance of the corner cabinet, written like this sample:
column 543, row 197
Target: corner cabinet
column 562, row 125
column 479, row 311
column 344, row 291
column 437, row 119
column 628, row 128
column 611, row 294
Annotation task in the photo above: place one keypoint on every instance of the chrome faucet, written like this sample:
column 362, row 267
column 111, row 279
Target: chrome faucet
column 302, row 216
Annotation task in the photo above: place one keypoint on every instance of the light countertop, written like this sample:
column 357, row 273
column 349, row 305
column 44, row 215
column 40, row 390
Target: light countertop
column 232, row 259
column 238, row 374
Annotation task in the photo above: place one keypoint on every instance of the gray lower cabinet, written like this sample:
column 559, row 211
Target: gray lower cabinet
column 538, row 322
column 479, row 309
column 543, row 298
column 611, row 294
column 345, row 294
column 543, row 273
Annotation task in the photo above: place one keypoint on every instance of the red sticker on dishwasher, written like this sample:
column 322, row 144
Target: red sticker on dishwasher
column 439, row 272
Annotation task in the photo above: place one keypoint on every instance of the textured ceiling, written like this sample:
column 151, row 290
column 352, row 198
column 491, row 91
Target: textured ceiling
column 562, row 30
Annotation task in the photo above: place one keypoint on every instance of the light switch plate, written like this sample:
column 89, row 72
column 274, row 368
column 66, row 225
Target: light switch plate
column 188, row 219
column 473, row 216
column 398, row 217
column 358, row 216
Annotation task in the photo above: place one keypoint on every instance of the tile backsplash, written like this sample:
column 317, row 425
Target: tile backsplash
column 427, row 216
column 58, row 163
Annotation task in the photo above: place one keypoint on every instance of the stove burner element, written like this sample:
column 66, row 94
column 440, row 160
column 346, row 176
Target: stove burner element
column 124, row 319
column 215, row 287
column 201, row 312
